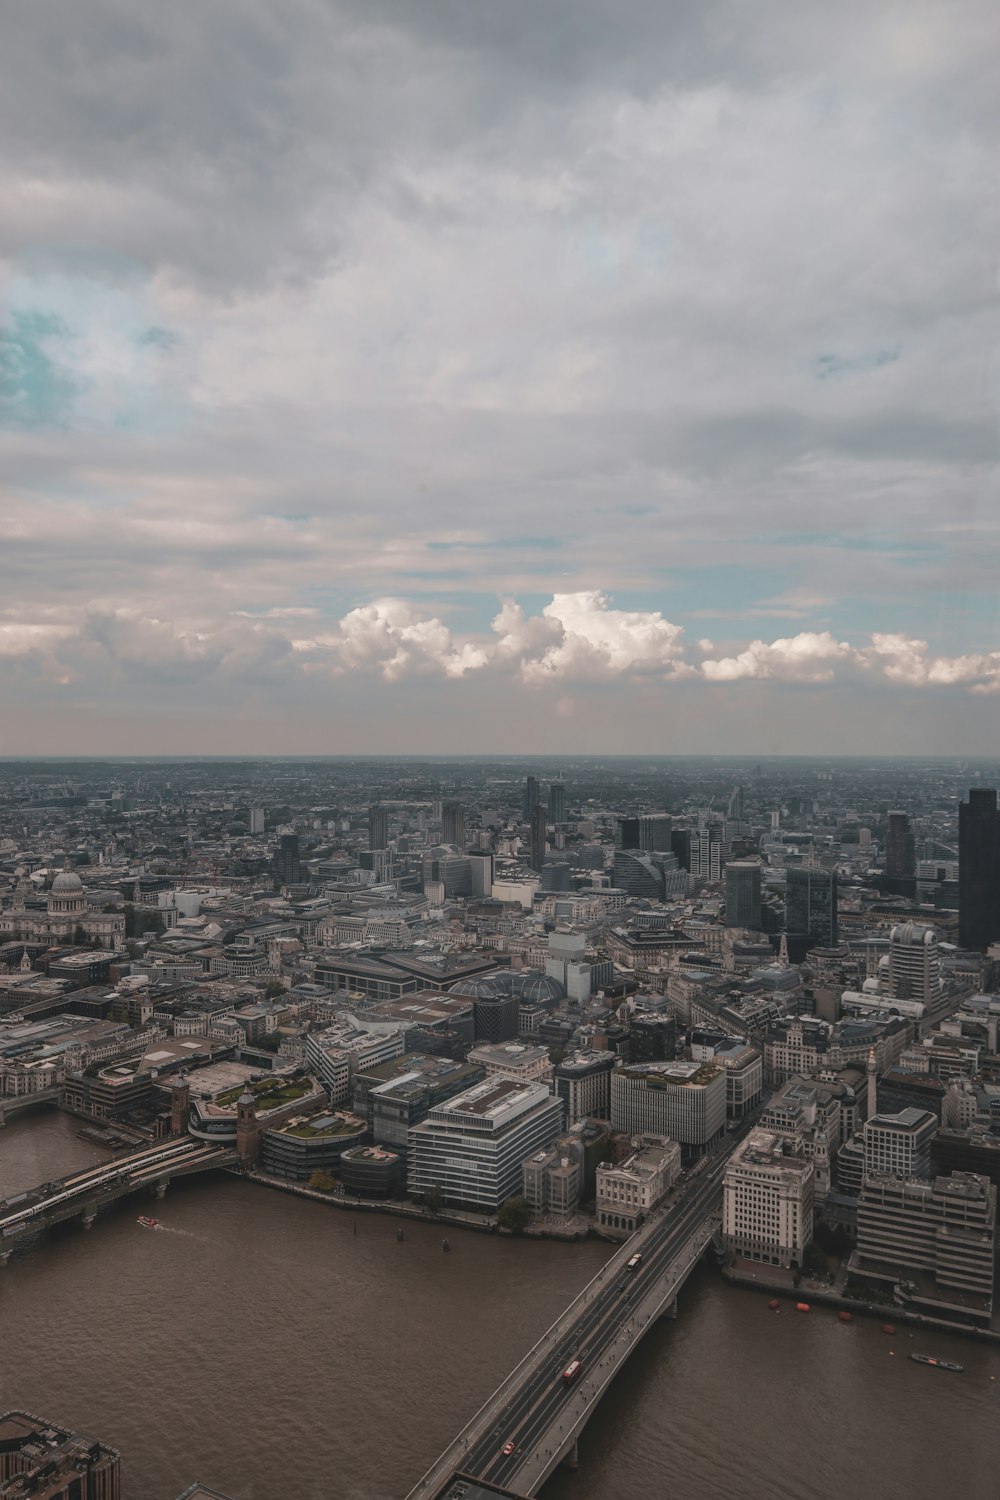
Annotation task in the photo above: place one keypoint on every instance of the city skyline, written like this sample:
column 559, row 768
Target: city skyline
column 434, row 378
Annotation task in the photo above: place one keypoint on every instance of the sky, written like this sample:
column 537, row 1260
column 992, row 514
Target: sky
column 446, row 376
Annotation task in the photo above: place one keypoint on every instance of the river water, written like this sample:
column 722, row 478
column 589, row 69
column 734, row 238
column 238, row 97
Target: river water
column 263, row 1346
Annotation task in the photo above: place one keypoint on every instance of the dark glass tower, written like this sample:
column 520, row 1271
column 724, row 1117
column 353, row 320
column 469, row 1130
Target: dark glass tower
column 810, row 910
column 453, row 824
column 557, row 802
column 900, row 858
column 530, row 797
column 537, row 837
column 979, row 869
column 378, row 827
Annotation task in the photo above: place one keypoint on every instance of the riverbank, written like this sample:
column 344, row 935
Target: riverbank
column 404, row 1208
column 812, row 1292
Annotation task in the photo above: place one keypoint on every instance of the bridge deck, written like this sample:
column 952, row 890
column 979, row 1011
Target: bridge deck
column 534, row 1408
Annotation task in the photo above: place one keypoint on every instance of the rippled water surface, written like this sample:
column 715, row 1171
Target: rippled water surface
column 261, row 1345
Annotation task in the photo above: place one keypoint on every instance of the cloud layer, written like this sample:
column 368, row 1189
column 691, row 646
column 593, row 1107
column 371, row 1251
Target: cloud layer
column 356, row 352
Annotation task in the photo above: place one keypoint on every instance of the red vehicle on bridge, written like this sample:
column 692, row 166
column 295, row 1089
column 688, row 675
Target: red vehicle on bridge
column 571, row 1371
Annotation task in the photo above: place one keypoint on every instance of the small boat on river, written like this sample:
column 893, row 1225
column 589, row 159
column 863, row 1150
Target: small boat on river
column 939, row 1364
column 148, row 1223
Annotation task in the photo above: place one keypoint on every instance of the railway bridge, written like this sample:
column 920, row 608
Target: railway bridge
column 24, row 1217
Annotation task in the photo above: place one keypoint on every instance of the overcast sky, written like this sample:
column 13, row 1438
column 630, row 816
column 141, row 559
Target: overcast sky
column 471, row 375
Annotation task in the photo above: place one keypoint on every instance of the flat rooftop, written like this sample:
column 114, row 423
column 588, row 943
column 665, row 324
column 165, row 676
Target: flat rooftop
column 493, row 1097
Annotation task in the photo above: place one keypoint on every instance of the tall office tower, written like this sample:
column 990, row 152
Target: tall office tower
column 378, row 827
column 256, row 820
column 453, row 824
column 626, row 833
column 743, row 894
column 530, row 797
column 979, row 869
column 538, row 827
column 900, row 855
column 734, row 811
column 775, row 817
column 680, row 845
column 654, row 832
column 557, row 802
column 481, row 872
column 706, row 855
column 287, row 865
column 915, row 964
column 810, row 909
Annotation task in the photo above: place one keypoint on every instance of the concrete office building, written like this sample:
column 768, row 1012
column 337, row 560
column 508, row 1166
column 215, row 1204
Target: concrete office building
column 767, row 1200
column 583, row 1082
column 525, row 1061
column 685, row 1101
column 899, row 1145
column 47, row 1462
column 473, row 1148
column 929, row 1242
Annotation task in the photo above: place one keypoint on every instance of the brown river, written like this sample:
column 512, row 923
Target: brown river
column 282, row 1350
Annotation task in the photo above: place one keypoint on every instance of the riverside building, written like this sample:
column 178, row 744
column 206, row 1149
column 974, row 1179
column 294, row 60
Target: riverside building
column 473, row 1147
column 767, row 1200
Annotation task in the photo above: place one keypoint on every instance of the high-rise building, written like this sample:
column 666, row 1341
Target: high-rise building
column 979, row 869
column 287, row 865
column 530, row 797
column 706, row 854
column 680, row 846
column 256, row 821
column 654, row 832
column 810, row 908
column 453, row 823
column 626, row 833
column 481, row 872
column 900, row 852
column 557, row 802
column 914, row 969
column 378, row 827
column 743, row 877
column 538, row 830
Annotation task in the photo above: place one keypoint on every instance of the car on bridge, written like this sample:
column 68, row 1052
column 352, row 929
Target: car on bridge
column 508, row 1448
column 571, row 1371
column 633, row 1263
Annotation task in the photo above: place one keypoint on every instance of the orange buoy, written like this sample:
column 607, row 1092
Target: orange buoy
column 802, row 1307
column 844, row 1317
column 888, row 1328
column 774, row 1304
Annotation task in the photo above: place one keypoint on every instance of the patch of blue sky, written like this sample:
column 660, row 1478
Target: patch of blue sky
column 830, row 366
column 80, row 349
column 499, row 544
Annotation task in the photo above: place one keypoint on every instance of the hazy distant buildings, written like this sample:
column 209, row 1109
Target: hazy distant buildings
column 378, row 827
column 537, row 841
column 979, row 869
column 453, row 823
column 900, row 852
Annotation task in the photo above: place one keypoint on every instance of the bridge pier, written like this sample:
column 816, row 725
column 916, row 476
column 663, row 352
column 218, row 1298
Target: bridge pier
column 671, row 1311
column 571, row 1458
column 5, row 1256
column 161, row 1190
column 87, row 1217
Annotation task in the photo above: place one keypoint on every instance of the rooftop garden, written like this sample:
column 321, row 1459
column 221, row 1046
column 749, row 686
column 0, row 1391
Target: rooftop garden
column 269, row 1093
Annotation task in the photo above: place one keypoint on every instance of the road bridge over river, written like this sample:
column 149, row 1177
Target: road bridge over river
column 539, row 1415
column 84, row 1194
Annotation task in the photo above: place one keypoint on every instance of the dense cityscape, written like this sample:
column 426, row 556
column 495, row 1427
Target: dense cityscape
column 723, row 1012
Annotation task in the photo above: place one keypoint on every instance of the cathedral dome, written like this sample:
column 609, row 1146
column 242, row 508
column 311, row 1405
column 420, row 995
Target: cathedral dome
column 67, row 883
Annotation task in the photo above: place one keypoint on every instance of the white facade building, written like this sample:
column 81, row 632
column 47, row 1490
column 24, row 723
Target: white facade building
column 767, row 1201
